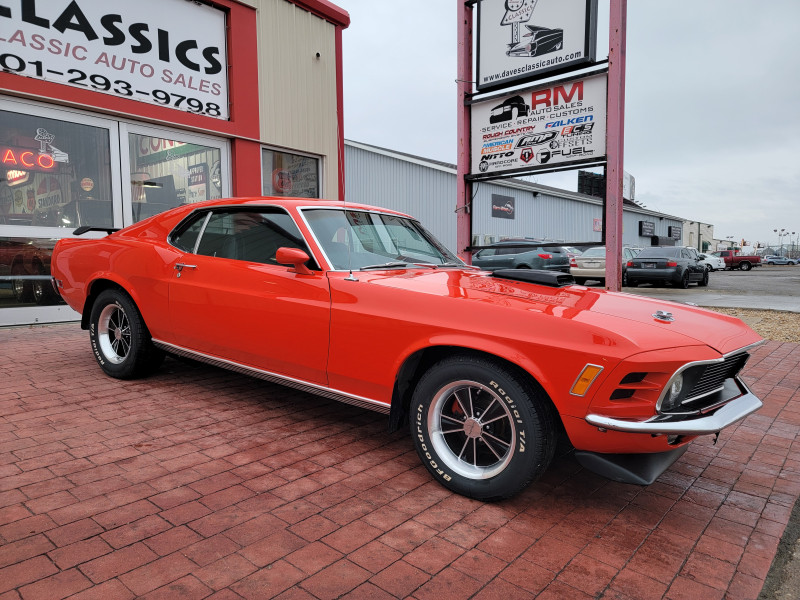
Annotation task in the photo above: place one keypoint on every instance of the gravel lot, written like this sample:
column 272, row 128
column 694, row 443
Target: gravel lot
column 770, row 324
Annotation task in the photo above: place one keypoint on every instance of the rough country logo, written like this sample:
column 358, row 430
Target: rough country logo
column 536, row 139
column 542, row 39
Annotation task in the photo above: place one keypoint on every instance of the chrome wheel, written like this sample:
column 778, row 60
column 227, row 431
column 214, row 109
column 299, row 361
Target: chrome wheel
column 472, row 429
column 114, row 333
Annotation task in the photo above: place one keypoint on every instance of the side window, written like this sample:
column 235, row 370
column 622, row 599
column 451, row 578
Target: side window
column 185, row 237
column 248, row 235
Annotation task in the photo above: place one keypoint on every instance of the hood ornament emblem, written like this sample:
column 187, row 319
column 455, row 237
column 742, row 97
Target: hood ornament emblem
column 662, row 315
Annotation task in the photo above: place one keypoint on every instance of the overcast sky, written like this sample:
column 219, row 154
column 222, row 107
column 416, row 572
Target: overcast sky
column 712, row 127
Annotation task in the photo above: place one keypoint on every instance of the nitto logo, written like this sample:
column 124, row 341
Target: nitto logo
column 536, row 139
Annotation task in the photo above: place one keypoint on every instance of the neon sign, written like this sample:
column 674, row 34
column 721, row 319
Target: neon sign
column 24, row 159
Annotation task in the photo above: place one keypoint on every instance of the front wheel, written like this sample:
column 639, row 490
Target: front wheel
column 120, row 340
column 704, row 281
column 481, row 430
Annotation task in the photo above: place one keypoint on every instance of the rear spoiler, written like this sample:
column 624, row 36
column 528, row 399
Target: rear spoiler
column 86, row 228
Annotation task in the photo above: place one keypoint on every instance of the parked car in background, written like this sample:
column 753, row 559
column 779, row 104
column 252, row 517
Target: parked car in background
column 738, row 261
column 26, row 265
column 667, row 264
column 712, row 263
column 779, row 260
column 362, row 305
column 522, row 253
column 573, row 251
column 591, row 265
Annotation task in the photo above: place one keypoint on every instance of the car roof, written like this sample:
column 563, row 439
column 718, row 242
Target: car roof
column 292, row 202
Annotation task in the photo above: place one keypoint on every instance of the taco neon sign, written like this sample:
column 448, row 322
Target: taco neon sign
column 21, row 158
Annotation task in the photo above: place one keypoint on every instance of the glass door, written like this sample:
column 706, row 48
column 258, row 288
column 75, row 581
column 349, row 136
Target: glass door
column 169, row 168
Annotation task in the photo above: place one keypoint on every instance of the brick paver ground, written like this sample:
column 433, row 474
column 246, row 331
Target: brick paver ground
column 199, row 483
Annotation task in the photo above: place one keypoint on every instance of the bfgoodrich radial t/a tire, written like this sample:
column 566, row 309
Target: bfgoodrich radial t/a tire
column 481, row 430
column 121, row 343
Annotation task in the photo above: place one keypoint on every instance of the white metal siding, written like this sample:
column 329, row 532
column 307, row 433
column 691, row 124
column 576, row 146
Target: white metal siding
column 428, row 192
column 425, row 193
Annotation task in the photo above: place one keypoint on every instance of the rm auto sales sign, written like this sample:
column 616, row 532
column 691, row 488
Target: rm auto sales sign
column 167, row 52
column 540, row 128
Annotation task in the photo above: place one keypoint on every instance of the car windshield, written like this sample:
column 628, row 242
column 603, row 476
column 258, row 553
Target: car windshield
column 354, row 239
column 594, row 252
column 659, row 252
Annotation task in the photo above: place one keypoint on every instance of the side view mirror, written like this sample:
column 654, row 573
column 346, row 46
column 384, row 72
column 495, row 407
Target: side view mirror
column 295, row 257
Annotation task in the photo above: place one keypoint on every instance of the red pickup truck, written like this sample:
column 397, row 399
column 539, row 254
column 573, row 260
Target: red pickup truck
column 736, row 261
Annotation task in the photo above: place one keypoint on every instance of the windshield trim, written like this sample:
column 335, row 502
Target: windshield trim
column 301, row 210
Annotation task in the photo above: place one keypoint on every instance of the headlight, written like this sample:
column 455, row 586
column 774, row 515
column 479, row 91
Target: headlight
column 672, row 399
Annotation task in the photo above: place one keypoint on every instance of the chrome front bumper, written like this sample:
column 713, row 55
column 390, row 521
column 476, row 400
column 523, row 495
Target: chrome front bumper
column 735, row 410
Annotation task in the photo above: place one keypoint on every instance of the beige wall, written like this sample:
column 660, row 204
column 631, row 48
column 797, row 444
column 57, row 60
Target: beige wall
column 297, row 91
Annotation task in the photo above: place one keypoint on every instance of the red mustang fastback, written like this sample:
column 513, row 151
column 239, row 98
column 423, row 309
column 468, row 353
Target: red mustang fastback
column 361, row 304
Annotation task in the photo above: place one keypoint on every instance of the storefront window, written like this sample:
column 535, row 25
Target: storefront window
column 54, row 173
column 286, row 174
column 25, row 272
column 167, row 173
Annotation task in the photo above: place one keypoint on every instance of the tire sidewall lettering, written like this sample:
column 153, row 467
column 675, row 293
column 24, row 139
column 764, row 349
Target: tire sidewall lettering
column 422, row 435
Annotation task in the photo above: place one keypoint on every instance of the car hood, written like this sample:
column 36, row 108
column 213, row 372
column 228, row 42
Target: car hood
column 626, row 315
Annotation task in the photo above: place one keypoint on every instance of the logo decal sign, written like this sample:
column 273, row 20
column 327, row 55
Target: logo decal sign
column 542, row 128
column 521, row 40
column 168, row 52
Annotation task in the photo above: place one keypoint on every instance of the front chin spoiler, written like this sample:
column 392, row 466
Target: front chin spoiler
column 727, row 415
column 638, row 469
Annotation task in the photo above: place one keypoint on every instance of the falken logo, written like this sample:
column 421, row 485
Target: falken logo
column 526, row 141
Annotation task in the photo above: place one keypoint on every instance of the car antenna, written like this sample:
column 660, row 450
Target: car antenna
column 350, row 277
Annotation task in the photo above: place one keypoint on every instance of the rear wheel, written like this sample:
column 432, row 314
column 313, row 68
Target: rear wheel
column 22, row 288
column 120, row 340
column 684, row 282
column 480, row 429
column 745, row 266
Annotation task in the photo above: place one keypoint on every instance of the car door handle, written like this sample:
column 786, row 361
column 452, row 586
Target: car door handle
column 181, row 266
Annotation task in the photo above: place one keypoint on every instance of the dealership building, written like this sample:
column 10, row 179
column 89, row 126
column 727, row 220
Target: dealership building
column 113, row 111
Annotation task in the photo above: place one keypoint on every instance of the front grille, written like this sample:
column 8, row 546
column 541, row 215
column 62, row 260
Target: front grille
column 713, row 376
column 707, row 386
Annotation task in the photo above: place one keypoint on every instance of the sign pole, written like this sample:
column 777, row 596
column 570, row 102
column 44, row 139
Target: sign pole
column 464, row 91
column 615, row 143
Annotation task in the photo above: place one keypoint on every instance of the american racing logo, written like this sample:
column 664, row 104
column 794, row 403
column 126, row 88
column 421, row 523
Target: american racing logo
column 526, row 141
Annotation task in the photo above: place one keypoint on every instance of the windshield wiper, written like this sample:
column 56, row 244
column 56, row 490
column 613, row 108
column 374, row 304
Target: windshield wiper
column 388, row 265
